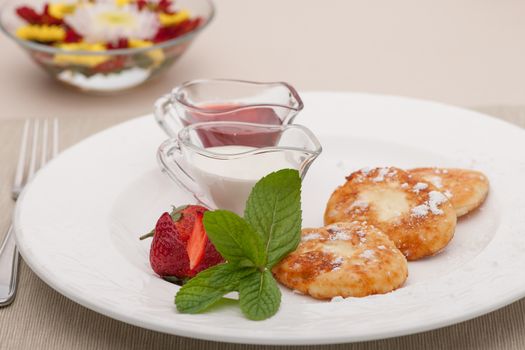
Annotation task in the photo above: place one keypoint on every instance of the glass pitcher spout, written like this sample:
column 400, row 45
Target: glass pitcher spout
column 274, row 103
column 256, row 146
column 299, row 147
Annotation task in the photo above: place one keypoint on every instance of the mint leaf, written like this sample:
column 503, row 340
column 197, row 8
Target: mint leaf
column 233, row 237
column 273, row 209
column 209, row 286
column 259, row 295
column 271, row 229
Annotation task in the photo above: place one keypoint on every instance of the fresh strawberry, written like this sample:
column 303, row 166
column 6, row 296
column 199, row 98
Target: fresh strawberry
column 32, row 17
column 111, row 65
column 72, row 36
column 164, row 6
column 29, row 15
column 48, row 19
column 174, row 31
column 197, row 242
column 122, row 43
column 142, row 4
column 183, row 231
column 187, row 219
column 201, row 251
column 168, row 256
column 211, row 257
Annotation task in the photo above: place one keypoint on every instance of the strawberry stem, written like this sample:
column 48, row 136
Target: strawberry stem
column 176, row 213
column 147, row 235
column 178, row 209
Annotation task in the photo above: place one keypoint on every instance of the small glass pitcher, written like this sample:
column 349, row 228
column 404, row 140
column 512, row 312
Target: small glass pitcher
column 223, row 176
column 227, row 100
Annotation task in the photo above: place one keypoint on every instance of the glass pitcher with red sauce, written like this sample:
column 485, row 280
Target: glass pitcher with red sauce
column 214, row 100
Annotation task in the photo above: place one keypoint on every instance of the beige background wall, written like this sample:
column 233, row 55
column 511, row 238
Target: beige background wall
column 465, row 52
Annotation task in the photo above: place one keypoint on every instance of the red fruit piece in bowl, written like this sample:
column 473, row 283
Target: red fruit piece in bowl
column 29, row 15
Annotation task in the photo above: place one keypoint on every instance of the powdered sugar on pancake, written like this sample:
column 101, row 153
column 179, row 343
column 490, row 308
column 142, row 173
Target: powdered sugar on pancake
column 436, row 181
column 382, row 172
column 367, row 254
column 310, row 236
column 435, row 199
column 419, row 186
column 381, row 175
column 366, row 170
column 420, row 211
column 358, row 205
column 339, row 236
column 337, row 262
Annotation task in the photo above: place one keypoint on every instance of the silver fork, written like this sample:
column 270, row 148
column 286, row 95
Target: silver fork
column 28, row 146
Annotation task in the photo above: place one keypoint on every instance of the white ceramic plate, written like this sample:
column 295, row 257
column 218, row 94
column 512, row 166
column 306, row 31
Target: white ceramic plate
column 77, row 224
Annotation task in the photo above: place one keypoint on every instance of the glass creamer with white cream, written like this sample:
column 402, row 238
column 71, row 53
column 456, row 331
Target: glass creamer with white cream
column 220, row 162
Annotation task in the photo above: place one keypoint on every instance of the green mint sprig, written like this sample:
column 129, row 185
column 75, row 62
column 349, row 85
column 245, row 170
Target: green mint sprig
column 270, row 229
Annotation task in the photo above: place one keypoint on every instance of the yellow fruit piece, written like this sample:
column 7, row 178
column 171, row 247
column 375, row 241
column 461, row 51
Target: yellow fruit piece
column 137, row 43
column 156, row 55
column 81, row 60
column 122, row 2
column 59, row 9
column 167, row 19
column 40, row 33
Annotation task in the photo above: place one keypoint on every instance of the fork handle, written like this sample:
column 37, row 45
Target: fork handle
column 8, row 268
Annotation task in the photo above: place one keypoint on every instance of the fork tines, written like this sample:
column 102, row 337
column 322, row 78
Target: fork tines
column 34, row 144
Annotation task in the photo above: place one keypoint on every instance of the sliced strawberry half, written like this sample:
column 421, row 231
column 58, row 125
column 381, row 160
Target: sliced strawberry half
column 197, row 242
column 185, row 222
column 211, row 258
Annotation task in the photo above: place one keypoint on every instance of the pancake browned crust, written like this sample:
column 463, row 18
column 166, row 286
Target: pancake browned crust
column 350, row 259
column 466, row 189
column 418, row 218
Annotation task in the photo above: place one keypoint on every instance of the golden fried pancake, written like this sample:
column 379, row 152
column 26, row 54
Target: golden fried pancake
column 466, row 189
column 418, row 218
column 348, row 259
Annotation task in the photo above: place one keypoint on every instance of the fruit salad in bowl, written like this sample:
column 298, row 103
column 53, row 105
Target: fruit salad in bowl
column 105, row 45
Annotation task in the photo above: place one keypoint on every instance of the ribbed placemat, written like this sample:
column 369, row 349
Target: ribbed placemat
column 40, row 318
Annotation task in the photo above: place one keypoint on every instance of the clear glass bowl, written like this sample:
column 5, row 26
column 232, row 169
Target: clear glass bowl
column 121, row 68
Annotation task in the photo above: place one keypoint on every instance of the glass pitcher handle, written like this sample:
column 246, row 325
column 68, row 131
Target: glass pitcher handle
column 170, row 157
column 163, row 116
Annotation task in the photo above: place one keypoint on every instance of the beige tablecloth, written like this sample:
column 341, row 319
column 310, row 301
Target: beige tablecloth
column 40, row 318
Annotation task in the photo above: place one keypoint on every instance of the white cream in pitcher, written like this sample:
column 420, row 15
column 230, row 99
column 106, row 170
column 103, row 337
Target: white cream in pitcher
column 229, row 182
